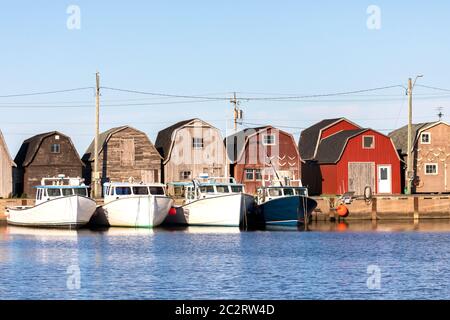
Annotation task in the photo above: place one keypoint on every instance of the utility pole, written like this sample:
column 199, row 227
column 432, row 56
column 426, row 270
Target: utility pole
column 96, row 186
column 236, row 111
column 410, row 152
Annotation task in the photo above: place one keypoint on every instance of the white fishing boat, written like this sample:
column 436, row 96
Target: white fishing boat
column 135, row 205
column 211, row 203
column 60, row 202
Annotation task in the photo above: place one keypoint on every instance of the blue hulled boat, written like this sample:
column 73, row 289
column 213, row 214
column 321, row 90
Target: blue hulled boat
column 284, row 206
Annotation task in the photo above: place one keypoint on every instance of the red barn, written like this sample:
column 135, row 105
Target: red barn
column 341, row 156
column 263, row 155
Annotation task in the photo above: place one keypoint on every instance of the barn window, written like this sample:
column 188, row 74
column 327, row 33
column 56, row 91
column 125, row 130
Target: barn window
column 368, row 142
column 184, row 175
column 258, row 175
column 425, row 138
column 197, row 143
column 127, row 152
column 249, row 174
column 431, row 168
column 55, row 148
column 269, row 139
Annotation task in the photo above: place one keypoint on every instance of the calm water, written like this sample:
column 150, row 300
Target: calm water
column 330, row 262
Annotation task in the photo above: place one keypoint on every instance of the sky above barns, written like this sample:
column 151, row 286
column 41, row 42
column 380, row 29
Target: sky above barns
column 211, row 49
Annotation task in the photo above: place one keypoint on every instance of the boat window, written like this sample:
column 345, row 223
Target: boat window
column 288, row 192
column 67, row 192
column 190, row 193
column 274, row 192
column 157, row 191
column 107, row 191
column 123, row 191
column 222, row 189
column 140, row 190
column 80, row 192
column 54, row 192
column 237, row 189
column 39, row 194
column 207, row 189
column 178, row 191
column 300, row 191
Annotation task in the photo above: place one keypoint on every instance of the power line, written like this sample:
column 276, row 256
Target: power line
column 434, row 88
column 44, row 92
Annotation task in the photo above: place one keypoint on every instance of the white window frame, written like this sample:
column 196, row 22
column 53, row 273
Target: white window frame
column 431, row 164
column 429, row 137
column 373, row 140
column 198, row 143
column 59, row 148
column 182, row 174
column 265, row 136
column 253, row 174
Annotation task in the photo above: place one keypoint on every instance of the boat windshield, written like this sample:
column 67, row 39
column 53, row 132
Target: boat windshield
column 300, row 191
column 123, row 191
column 140, row 191
column 207, row 189
column 273, row 192
column 157, row 191
column 53, row 192
column 67, row 192
column 288, row 191
column 237, row 189
column 80, row 192
column 222, row 189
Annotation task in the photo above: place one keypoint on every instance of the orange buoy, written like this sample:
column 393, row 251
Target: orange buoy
column 342, row 211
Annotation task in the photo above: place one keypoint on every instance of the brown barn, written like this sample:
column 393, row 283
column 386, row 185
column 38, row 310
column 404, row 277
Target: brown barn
column 263, row 154
column 124, row 153
column 6, row 168
column 191, row 148
column 431, row 155
column 45, row 155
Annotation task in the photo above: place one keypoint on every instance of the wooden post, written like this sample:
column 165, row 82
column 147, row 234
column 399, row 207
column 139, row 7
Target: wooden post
column 374, row 209
column 97, row 185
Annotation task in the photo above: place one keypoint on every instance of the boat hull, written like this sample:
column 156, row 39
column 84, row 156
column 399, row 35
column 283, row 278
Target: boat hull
column 227, row 210
column 135, row 212
column 71, row 212
column 286, row 211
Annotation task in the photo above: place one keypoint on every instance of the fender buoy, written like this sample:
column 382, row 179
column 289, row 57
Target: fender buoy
column 342, row 211
column 172, row 211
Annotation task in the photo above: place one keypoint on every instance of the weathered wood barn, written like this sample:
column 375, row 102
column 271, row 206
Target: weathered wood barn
column 340, row 156
column 263, row 156
column 191, row 148
column 431, row 155
column 44, row 155
column 6, row 169
column 125, row 154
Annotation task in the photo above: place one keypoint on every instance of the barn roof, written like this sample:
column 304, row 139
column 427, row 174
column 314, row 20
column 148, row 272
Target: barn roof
column 164, row 139
column 309, row 137
column 236, row 142
column 5, row 147
column 103, row 139
column 30, row 147
column 400, row 136
column 331, row 148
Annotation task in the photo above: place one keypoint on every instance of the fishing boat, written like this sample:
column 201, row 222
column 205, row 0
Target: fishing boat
column 137, row 205
column 284, row 205
column 60, row 202
column 215, row 202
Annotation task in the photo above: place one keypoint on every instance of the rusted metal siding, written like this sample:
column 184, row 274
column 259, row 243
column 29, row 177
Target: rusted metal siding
column 284, row 157
column 384, row 153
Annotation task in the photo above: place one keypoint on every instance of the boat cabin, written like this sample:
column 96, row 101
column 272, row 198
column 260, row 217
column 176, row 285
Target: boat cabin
column 269, row 193
column 190, row 191
column 61, row 186
column 46, row 193
column 115, row 190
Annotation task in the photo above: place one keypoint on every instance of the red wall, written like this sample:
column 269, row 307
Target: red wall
column 254, row 157
column 334, row 176
column 340, row 126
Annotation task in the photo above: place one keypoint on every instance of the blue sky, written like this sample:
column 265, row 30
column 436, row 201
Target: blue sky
column 257, row 48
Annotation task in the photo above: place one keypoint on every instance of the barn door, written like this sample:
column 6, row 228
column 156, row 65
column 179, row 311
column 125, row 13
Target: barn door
column 361, row 175
column 384, row 179
column 150, row 176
